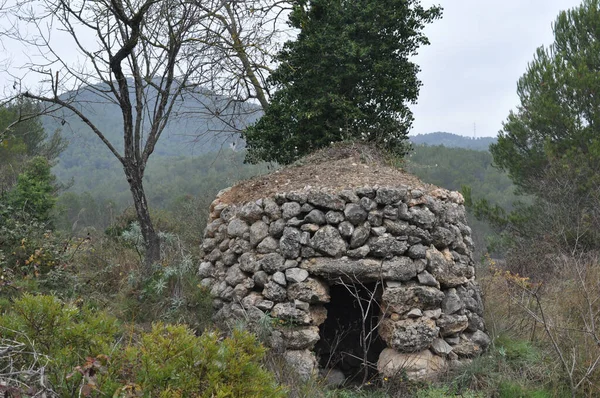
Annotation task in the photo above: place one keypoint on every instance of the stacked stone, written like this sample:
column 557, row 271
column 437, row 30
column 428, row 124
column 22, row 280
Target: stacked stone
column 278, row 256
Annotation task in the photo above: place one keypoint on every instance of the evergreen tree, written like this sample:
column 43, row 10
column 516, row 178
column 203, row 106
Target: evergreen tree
column 346, row 76
column 557, row 124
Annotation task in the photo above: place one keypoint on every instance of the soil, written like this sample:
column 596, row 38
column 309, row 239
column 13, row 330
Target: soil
column 338, row 167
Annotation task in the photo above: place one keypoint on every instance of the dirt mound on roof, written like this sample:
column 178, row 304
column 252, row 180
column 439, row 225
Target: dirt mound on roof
column 332, row 169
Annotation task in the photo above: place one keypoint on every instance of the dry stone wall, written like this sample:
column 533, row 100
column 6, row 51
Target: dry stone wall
column 280, row 256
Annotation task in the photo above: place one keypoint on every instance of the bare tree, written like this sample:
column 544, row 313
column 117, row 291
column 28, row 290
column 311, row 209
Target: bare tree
column 141, row 55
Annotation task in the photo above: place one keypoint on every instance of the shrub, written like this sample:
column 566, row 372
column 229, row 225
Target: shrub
column 63, row 332
column 170, row 361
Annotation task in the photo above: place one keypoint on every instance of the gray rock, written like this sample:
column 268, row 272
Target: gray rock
column 433, row 314
column 290, row 209
column 315, row 217
column 264, row 305
column 234, row 275
column 378, row 231
column 452, row 324
column 387, row 247
column 258, row 231
column 299, row 197
column 312, row 291
column 418, row 365
column 224, row 245
column 229, row 258
column 452, row 340
column 414, row 313
column 367, row 203
column 206, row 270
column 228, row 213
column 396, row 228
column 306, row 208
column 242, row 289
column 271, row 209
column 359, row 236
column 208, row 244
column 475, row 322
column 442, row 238
column 279, row 278
column 408, row 335
column 303, row 362
column 250, row 212
column 288, row 312
column 237, row 228
column 403, row 299
column 387, row 196
column 239, row 246
column 212, row 228
column 248, row 263
column 416, row 193
column 334, row 217
column 274, row 292
column 346, row 229
column 445, row 270
column 276, row 228
column 400, row 269
column 326, row 200
column 289, row 244
column 390, row 212
column 451, row 303
column 417, row 251
column 272, row 263
column 481, row 339
column 305, row 238
column 302, row 305
column 355, row 213
column 375, row 218
column 296, row 275
column 349, row 196
column 327, row 240
column 360, row 252
column 294, row 222
column 422, row 216
column 214, row 256
column 425, row 278
column 218, row 289
column 268, row 245
column 440, row 347
column 369, row 192
column 260, row 279
column 299, row 338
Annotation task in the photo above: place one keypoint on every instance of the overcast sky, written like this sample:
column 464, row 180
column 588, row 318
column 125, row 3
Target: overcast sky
column 478, row 51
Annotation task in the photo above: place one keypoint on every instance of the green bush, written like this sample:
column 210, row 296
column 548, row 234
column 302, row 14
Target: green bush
column 171, row 361
column 62, row 332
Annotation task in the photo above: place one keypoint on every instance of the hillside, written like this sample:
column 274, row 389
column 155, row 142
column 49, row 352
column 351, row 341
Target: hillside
column 450, row 140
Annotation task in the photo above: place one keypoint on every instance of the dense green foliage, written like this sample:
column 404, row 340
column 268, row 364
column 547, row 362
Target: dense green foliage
column 84, row 354
column 556, row 124
column 347, row 76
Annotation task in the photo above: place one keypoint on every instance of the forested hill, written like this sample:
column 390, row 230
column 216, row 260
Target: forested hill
column 450, row 140
column 192, row 130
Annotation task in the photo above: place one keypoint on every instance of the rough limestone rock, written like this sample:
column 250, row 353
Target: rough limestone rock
column 282, row 255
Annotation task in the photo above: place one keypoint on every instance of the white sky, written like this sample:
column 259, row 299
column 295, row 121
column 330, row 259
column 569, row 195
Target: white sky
column 478, row 51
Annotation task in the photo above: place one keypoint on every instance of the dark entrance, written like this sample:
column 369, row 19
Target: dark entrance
column 349, row 340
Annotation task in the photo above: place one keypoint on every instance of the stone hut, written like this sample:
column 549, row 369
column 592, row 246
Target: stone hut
column 349, row 266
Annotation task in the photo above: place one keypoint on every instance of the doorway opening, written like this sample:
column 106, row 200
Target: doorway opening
column 349, row 340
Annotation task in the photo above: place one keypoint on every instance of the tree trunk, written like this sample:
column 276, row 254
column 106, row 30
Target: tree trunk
column 151, row 239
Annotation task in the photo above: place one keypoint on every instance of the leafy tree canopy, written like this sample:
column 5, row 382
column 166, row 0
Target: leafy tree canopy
column 346, row 76
column 557, row 123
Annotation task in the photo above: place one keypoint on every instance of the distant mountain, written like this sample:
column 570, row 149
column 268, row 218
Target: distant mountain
column 191, row 131
column 450, row 140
